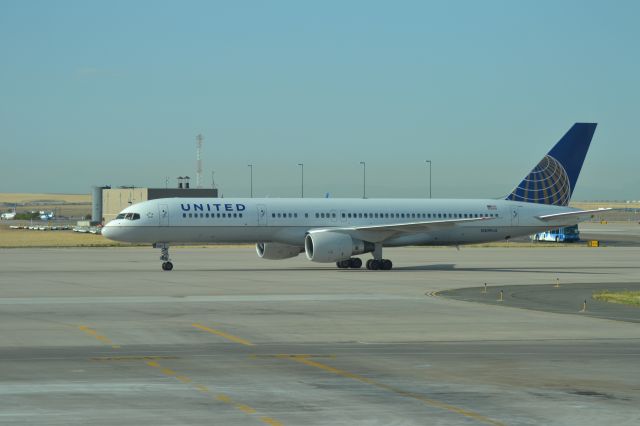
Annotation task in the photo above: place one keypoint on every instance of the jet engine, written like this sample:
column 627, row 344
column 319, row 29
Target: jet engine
column 328, row 246
column 277, row 251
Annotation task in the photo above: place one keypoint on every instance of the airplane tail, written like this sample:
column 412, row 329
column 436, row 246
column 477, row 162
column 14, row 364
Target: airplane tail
column 552, row 181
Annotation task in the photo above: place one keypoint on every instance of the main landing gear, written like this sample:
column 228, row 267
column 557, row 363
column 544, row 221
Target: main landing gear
column 164, row 256
column 375, row 264
column 379, row 264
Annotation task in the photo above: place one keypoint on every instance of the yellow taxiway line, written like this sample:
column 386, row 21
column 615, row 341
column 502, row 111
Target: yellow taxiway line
column 223, row 334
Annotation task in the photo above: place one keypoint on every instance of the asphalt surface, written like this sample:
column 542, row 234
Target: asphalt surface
column 563, row 298
column 103, row 337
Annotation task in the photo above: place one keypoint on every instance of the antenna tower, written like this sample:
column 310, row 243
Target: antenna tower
column 199, row 139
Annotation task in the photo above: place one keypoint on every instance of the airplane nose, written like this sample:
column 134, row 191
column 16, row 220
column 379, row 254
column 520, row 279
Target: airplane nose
column 109, row 232
column 105, row 231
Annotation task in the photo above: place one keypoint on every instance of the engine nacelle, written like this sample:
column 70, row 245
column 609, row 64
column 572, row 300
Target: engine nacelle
column 277, row 251
column 328, row 246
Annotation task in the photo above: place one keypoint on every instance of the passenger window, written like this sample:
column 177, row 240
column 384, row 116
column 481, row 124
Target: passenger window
column 322, row 215
column 365, row 215
column 183, row 215
column 240, row 214
column 235, row 215
column 273, row 215
column 317, row 215
column 224, row 215
column 206, row 215
column 306, row 215
column 333, row 215
column 190, row 215
column 278, row 214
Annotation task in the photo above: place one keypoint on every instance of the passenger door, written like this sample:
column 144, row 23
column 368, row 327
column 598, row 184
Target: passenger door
column 163, row 214
column 262, row 215
column 515, row 216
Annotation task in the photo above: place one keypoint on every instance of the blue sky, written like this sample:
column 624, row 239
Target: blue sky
column 115, row 93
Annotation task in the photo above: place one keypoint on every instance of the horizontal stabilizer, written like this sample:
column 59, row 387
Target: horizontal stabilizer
column 578, row 214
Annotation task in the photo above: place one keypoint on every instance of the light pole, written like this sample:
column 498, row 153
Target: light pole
column 364, row 179
column 302, row 184
column 429, row 161
column 251, row 168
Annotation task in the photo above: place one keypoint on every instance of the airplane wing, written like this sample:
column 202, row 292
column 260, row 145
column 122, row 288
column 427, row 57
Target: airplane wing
column 578, row 215
column 378, row 233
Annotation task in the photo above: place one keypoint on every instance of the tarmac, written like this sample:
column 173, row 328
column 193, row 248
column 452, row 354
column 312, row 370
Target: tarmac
column 103, row 336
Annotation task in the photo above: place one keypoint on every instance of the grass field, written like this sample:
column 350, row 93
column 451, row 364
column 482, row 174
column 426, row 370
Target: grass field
column 12, row 238
column 22, row 198
column 69, row 205
column 624, row 297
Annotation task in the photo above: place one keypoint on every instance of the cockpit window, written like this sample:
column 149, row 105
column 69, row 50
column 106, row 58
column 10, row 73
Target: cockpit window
column 131, row 216
column 120, row 216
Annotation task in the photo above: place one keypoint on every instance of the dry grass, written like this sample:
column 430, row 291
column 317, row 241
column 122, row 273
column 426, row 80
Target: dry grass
column 19, row 198
column 624, row 297
column 69, row 205
column 12, row 238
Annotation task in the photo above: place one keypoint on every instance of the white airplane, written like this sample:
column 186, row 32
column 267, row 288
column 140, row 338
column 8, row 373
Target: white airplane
column 335, row 230
column 8, row 215
column 46, row 215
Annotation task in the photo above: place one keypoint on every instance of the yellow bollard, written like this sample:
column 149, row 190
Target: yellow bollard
column 501, row 296
column 557, row 283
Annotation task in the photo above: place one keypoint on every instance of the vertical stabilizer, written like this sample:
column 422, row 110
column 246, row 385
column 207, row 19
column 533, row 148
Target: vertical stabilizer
column 552, row 181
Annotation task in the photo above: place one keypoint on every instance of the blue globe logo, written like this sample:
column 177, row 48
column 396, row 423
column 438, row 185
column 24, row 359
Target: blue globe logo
column 548, row 183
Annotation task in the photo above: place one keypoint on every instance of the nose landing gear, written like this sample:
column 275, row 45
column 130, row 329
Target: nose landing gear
column 164, row 256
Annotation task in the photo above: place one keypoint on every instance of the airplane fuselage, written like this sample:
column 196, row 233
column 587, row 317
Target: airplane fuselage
column 287, row 221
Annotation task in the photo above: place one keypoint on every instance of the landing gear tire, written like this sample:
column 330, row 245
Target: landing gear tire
column 382, row 265
column 167, row 266
column 354, row 263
